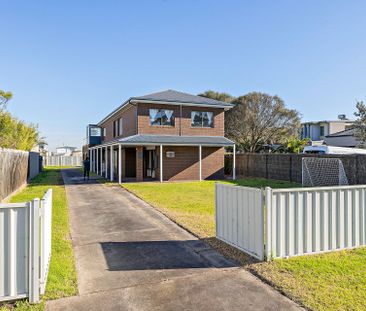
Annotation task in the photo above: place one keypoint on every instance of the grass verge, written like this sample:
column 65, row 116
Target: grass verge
column 332, row 281
column 62, row 280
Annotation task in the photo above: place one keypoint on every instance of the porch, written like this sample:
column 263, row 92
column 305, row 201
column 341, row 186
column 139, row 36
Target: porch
column 161, row 158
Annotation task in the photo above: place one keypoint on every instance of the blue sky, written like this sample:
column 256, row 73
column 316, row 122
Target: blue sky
column 69, row 63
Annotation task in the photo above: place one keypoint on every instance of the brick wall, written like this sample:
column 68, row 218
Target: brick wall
column 182, row 124
column 144, row 126
column 289, row 166
column 185, row 164
column 129, row 123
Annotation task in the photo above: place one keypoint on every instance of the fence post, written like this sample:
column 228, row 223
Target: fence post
column 34, row 207
column 268, row 222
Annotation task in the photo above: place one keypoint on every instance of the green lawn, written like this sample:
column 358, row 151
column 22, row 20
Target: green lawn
column 62, row 281
column 333, row 281
column 191, row 204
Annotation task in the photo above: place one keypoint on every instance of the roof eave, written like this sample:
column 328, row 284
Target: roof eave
column 147, row 101
column 114, row 111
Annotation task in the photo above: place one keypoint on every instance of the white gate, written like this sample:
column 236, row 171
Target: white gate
column 239, row 218
column 25, row 248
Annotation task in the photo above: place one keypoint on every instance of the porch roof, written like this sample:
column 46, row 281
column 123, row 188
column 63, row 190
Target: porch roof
column 140, row 139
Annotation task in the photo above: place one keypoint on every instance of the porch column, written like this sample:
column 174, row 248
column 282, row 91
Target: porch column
column 234, row 162
column 93, row 167
column 106, row 162
column 200, row 157
column 111, row 164
column 91, row 159
column 161, row 163
column 119, row 163
column 97, row 150
column 139, row 163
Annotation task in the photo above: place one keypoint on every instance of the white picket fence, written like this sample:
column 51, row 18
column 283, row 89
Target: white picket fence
column 25, row 248
column 62, row 161
column 291, row 221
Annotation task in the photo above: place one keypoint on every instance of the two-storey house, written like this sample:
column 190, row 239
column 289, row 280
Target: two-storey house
column 165, row 136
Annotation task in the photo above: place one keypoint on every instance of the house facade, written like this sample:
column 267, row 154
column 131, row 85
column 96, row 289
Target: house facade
column 164, row 136
column 318, row 130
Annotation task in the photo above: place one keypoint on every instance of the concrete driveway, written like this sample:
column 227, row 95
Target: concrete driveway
column 131, row 257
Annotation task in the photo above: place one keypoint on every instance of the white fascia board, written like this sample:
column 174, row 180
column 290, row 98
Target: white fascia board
column 125, row 104
column 144, row 101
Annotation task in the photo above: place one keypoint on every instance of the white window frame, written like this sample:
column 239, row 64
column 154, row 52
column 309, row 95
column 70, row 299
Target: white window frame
column 120, row 127
column 159, row 111
column 200, row 113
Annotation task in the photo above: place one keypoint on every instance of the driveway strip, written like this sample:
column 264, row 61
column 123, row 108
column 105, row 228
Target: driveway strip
column 129, row 256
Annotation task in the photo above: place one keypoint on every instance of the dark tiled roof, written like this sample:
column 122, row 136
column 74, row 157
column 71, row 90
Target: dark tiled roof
column 174, row 140
column 348, row 132
column 180, row 97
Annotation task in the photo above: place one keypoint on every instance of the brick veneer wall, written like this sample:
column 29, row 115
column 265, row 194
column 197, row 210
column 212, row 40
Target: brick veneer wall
column 129, row 123
column 182, row 124
column 185, row 164
column 139, row 163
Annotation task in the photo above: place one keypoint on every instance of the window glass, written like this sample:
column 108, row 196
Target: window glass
column 322, row 131
column 120, row 127
column 161, row 117
column 196, row 118
column 202, row 119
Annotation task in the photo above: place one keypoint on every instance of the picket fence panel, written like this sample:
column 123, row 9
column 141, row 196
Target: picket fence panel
column 25, row 248
column 62, row 161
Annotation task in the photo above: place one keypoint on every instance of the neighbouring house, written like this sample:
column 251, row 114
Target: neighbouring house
column 318, row 130
column 41, row 148
column 344, row 138
column 162, row 136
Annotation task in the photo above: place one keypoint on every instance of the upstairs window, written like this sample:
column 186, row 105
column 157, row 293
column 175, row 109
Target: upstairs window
column 202, row 119
column 321, row 130
column 161, row 117
column 117, row 127
column 120, row 127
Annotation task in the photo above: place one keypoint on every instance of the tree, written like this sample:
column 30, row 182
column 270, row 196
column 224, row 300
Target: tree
column 258, row 119
column 14, row 133
column 360, row 124
column 4, row 98
column 296, row 145
column 224, row 97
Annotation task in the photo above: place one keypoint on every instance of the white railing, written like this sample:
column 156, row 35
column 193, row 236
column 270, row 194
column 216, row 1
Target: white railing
column 296, row 221
column 25, row 248
column 239, row 218
column 62, row 161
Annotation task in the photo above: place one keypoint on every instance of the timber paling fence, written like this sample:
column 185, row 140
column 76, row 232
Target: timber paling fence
column 277, row 223
column 289, row 166
column 13, row 170
column 62, row 161
column 25, row 248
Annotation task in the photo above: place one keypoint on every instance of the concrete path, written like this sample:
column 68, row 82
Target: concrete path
column 131, row 257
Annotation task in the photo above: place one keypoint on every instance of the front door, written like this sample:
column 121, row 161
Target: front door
column 149, row 163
